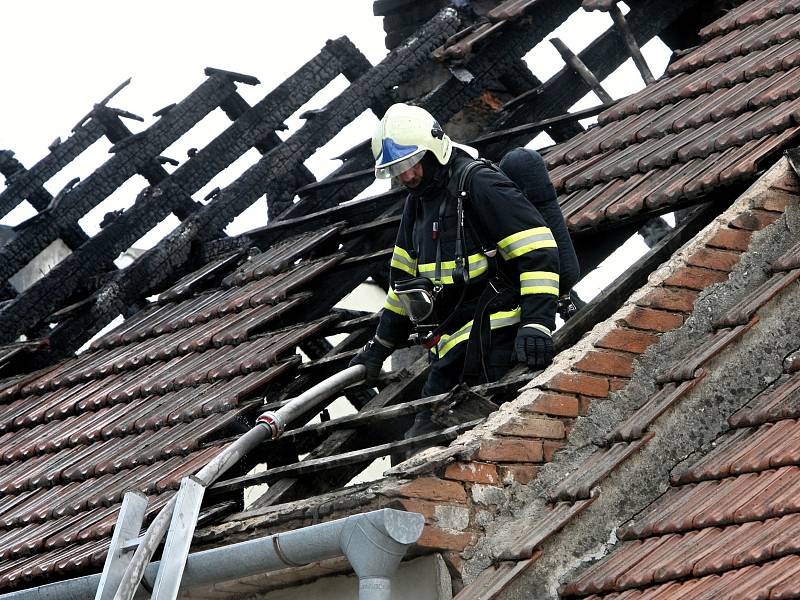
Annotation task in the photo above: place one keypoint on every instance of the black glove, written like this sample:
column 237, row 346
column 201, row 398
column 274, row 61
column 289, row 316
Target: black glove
column 372, row 356
column 533, row 347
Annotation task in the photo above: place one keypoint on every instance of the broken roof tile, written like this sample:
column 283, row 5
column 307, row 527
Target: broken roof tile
column 634, row 427
column 528, row 538
column 715, row 343
column 779, row 401
column 579, row 484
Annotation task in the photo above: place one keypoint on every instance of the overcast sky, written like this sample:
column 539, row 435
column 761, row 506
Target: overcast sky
column 61, row 57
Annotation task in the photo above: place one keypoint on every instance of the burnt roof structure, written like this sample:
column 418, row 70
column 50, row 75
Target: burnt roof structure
column 153, row 399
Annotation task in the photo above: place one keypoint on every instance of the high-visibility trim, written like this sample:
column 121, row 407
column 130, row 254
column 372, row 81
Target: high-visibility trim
column 402, row 260
column 538, row 282
column 526, row 241
column 503, row 318
column 541, row 328
column 478, row 265
column 392, row 303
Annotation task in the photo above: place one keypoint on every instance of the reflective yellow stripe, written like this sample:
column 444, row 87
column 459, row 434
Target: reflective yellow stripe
column 402, row 260
column 526, row 241
column 478, row 265
column 503, row 318
column 538, row 282
column 393, row 304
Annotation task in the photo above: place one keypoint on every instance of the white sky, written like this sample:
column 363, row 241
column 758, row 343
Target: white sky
column 60, row 57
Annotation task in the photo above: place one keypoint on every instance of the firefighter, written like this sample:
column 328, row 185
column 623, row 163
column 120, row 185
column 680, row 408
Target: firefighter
column 475, row 269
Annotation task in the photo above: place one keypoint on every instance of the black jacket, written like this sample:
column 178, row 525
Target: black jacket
column 498, row 217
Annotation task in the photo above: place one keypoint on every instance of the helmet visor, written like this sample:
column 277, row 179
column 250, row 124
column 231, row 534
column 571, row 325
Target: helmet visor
column 394, row 169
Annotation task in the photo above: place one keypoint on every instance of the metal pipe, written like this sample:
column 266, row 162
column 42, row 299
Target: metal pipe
column 374, row 543
column 270, row 423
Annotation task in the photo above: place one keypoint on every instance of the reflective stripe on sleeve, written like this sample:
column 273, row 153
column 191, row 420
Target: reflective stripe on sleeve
column 538, row 282
column 478, row 265
column 402, row 260
column 526, row 241
column 392, row 303
column 497, row 320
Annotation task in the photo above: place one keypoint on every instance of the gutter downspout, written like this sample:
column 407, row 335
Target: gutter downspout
column 374, row 543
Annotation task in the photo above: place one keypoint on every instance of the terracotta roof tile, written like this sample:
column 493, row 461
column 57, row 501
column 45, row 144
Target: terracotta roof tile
column 745, row 310
column 776, row 403
column 634, row 427
column 715, row 343
column 530, row 536
column 579, row 484
column 749, row 13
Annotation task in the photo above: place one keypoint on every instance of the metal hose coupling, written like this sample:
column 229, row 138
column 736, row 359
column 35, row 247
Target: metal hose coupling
column 273, row 423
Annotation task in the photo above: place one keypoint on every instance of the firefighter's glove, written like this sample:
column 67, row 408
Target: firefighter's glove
column 534, row 346
column 372, row 356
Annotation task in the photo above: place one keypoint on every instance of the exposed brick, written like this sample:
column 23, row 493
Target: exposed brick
column 522, row 474
column 559, row 405
column 607, row 363
column 788, row 181
column 585, row 404
column 652, row 319
column 670, row 298
column 777, row 199
column 695, row 278
column 423, row 507
column 434, row 538
column 510, row 450
column 488, row 495
column 476, row 472
column 754, row 219
column 433, row 489
column 579, row 383
column 549, row 448
column 628, row 340
column 714, row 258
column 454, row 562
column 617, row 383
column 731, row 239
column 530, row 425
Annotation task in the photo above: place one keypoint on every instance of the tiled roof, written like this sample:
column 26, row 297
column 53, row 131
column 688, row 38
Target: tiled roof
column 701, row 500
column 728, row 525
column 148, row 404
column 711, row 121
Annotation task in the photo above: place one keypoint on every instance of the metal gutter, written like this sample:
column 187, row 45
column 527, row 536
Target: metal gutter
column 374, row 543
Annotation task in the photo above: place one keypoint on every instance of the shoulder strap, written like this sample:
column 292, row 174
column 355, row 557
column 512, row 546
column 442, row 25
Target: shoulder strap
column 464, row 181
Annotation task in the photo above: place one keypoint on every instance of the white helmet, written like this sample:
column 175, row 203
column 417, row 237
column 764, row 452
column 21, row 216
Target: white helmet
column 403, row 136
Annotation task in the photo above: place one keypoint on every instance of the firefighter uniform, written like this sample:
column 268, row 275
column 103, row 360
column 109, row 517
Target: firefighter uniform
column 527, row 261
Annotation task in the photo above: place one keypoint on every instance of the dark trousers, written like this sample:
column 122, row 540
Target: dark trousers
column 446, row 372
column 526, row 168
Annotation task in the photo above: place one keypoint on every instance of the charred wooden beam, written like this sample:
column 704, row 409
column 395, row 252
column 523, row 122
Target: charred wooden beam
column 630, row 42
column 28, row 183
column 500, row 56
column 116, row 132
column 270, row 174
column 646, row 19
column 534, row 128
column 577, row 65
column 155, row 203
column 122, row 166
column 235, row 106
column 13, row 170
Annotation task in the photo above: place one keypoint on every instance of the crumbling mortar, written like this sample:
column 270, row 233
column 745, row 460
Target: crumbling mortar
column 605, row 414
